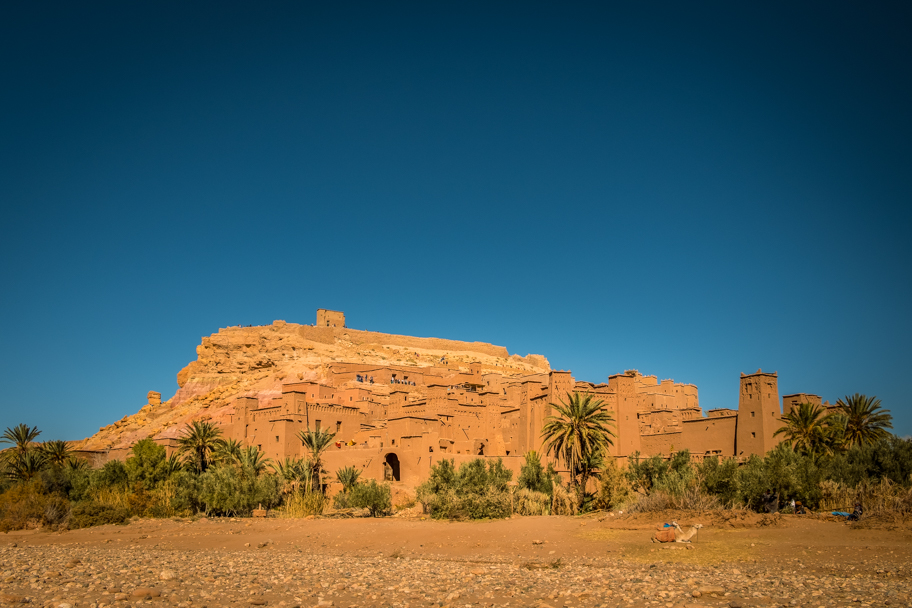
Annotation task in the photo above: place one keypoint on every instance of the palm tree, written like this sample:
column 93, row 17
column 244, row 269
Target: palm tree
column 173, row 464
column 348, row 477
column 590, row 465
column 865, row 420
column 807, row 429
column 198, row 442
column 21, row 436
column 252, row 458
column 26, row 466
column 77, row 464
column 316, row 442
column 229, row 452
column 58, row 452
column 294, row 472
column 576, row 432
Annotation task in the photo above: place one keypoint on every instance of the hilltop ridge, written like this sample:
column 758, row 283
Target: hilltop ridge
column 254, row 361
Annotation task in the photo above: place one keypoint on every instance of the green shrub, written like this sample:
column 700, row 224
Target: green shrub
column 889, row 458
column 644, row 473
column 443, row 476
column 477, row 490
column 187, row 492
column 614, row 489
column 55, row 480
column 376, row 497
column 88, row 514
column 147, row 465
column 80, row 483
column 533, row 476
column 233, row 490
column 479, row 476
column 721, row 479
column 113, row 473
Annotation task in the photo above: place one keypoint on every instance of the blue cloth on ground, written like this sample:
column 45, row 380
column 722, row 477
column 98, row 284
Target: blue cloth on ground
column 844, row 514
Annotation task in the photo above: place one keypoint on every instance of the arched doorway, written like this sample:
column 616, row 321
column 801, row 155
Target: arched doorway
column 391, row 467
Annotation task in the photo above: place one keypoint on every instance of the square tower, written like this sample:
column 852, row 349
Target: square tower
column 791, row 402
column 627, row 414
column 759, row 413
column 330, row 318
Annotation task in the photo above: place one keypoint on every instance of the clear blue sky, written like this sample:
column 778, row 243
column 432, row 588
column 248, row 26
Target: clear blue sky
column 693, row 190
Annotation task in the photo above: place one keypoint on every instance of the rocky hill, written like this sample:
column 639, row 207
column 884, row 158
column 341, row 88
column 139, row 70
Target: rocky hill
column 256, row 361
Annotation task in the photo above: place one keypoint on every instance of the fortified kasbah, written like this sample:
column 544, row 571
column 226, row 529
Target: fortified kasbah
column 398, row 404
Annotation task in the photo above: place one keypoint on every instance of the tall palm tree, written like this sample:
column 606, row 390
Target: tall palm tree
column 58, row 452
column 576, row 432
column 806, row 429
column 21, row 437
column 198, row 442
column 865, row 420
column 316, row 442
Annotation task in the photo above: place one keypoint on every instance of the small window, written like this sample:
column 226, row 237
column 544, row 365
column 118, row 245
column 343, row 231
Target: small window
column 277, row 438
column 754, row 435
column 753, row 414
column 338, row 425
column 318, row 425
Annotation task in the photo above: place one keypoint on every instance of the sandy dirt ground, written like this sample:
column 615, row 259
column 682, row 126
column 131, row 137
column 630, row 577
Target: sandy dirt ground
column 735, row 561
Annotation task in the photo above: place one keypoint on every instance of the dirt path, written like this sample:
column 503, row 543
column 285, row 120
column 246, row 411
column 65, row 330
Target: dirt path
column 554, row 561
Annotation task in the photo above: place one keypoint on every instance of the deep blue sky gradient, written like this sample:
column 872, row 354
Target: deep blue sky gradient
column 692, row 190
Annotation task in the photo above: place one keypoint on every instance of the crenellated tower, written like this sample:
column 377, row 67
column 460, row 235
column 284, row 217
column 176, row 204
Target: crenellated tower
column 759, row 413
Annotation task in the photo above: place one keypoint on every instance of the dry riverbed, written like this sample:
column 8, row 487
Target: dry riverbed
column 530, row 561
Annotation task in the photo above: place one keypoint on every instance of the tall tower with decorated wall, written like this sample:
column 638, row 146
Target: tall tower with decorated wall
column 759, row 413
column 627, row 440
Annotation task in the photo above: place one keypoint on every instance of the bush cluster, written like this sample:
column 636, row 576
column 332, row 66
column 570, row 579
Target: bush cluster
column 375, row 497
column 148, row 484
column 63, row 493
column 834, row 481
column 476, row 490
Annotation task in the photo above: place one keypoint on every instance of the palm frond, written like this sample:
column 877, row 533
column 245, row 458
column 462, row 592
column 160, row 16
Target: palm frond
column 866, row 421
column 57, row 452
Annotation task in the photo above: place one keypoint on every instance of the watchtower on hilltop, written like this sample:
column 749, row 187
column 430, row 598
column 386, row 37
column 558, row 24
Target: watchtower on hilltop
column 330, row 318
